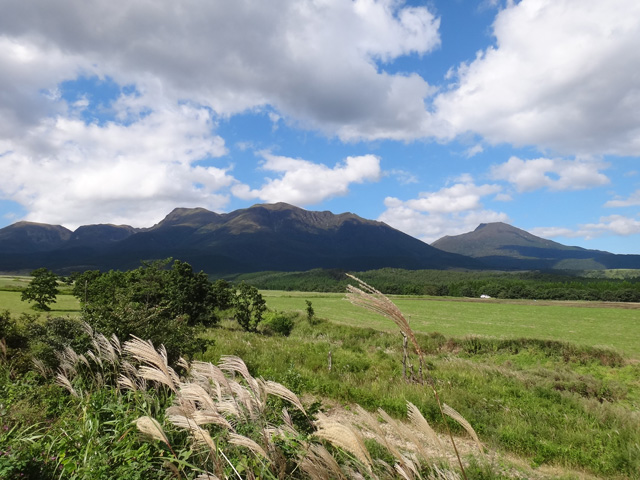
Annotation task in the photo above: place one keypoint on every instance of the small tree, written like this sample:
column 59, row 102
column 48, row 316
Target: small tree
column 310, row 312
column 249, row 307
column 42, row 290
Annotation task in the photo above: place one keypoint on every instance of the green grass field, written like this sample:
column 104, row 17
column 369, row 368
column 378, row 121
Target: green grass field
column 615, row 326
column 13, row 282
column 595, row 324
column 65, row 305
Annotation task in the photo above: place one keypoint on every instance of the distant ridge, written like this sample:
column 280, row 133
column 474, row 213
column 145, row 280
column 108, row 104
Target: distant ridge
column 28, row 237
column 263, row 237
column 504, row 247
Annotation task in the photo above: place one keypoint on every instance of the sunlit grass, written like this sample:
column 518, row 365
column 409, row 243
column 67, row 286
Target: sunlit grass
column 65, row 305
column 531, row 399
column 592, row 324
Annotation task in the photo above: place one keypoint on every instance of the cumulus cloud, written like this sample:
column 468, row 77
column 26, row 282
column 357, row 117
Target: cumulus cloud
column 449, row 211
column 179, row 67
column 302, row 182
column 617, row 224
column 65, row 171
column 554, row 174
column 315, row 62
column 562, row 75
column 609, row 225
column 631, row 201
column 457, row 198
column 553, row 232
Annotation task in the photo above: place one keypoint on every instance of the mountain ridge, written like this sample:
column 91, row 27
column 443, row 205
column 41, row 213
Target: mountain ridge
column 283, row 237
column 262, row 237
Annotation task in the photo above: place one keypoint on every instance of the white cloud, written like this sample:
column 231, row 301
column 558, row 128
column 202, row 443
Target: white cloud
column 302, row 182
column 562, row 75
column 449, row 211
column 610, row 225
column 403, row 176
column 616, row 224
column 554, row 174
column 64, row 171
column 318, row 63
column 631, row 201
column 457, row 198
column 314, row 64
column 475, row 150
column 553, row 232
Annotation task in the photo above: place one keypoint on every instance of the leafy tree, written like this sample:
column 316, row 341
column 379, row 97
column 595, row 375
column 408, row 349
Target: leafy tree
column 249, row 307
column 191, row 295
column 153, row 302
column 222, row 294
column 42, row 290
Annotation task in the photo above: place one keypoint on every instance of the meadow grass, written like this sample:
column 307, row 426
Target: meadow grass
column 586, row 323
column 525, row 397
column 507, row 367
column 14, row 282
column 65, row 305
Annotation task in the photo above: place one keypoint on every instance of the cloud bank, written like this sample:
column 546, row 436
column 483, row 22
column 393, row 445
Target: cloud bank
column 558, row 76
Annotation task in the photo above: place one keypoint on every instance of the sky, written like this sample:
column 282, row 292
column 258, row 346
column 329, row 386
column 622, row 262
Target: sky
column 431, row 116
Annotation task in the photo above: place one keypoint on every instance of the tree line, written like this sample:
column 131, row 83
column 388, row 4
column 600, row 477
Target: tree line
column 508, row 285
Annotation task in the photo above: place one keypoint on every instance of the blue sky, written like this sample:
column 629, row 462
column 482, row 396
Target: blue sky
column 432, row 116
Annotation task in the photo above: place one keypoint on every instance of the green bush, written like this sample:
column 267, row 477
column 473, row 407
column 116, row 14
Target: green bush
column 167, row 305
column 278, row 323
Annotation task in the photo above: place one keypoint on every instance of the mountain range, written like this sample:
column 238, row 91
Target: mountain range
column 263, row 237
column 285, row 238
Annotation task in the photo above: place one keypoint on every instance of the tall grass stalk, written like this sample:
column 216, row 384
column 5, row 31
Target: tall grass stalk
column 364, row 295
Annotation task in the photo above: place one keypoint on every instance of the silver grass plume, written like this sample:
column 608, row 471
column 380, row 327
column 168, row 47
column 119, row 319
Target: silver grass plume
column 345, row 437
column 465, row 424
column 157, row 367
column 418, row 421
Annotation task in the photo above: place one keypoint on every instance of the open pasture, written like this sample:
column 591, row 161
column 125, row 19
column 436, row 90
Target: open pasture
column 65, row 305
column 615, row 326
column 14, row 282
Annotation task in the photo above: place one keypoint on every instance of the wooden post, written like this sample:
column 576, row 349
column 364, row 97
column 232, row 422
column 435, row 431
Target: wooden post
column 404, row 356
column 330, row 360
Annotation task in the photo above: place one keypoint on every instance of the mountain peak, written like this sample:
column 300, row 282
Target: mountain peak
column 500, row 245
column 32, row 237
column 188, row 217
column 274, row 236
column 499, row 227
